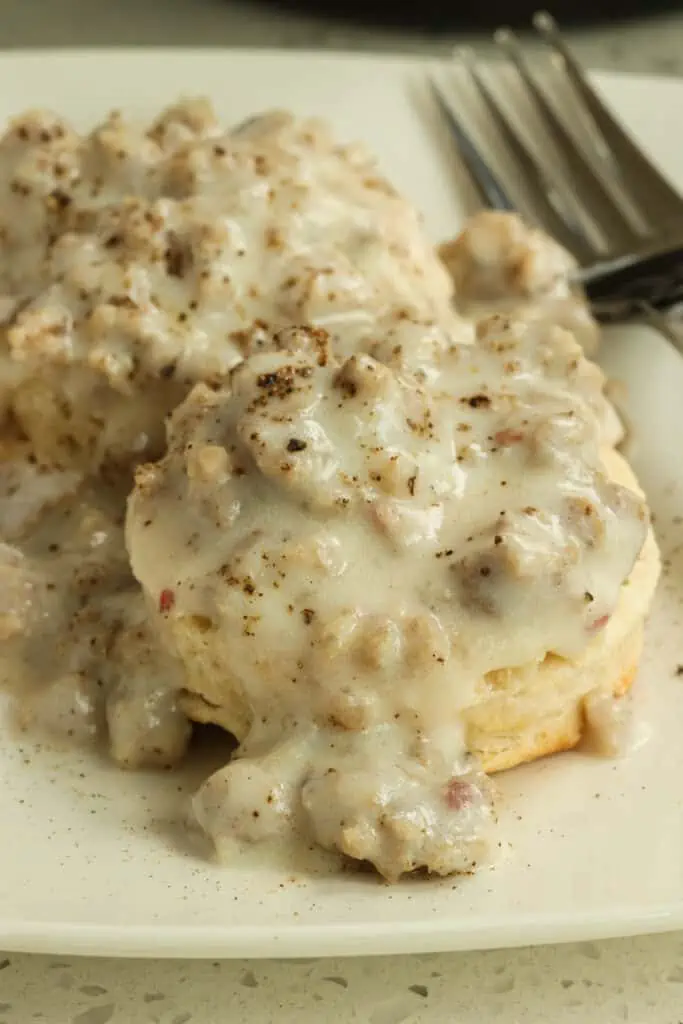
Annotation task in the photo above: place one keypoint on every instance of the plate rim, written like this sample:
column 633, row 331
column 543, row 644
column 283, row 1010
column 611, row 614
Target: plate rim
column 262, row 943
column 318, row 55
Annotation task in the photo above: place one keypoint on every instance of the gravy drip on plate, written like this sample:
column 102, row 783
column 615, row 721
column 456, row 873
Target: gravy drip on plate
column 78, row 648
column 356, row 519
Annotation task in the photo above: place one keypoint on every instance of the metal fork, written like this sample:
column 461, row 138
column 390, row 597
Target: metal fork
column 594, row 188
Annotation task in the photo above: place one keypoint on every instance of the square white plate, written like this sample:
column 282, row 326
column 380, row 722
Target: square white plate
column 90, row 860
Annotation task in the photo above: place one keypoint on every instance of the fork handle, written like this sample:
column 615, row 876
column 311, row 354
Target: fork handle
column 624, row 287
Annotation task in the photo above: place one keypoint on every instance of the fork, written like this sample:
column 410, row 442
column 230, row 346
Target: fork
column 601, row 196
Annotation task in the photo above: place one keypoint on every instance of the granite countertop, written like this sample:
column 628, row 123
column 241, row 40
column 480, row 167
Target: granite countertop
column 637, row 980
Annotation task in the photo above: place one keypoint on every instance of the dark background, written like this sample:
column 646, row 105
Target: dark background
column 436, row 15
column 611, row 34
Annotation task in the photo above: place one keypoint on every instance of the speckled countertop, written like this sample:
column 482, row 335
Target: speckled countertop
column 639, row 981
column 636, row 980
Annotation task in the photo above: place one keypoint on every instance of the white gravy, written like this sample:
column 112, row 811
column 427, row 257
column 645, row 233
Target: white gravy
column 356, row 519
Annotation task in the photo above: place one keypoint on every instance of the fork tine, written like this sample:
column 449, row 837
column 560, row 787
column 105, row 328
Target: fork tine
column 606, row 132
column 583, row 235
column 609, row 180
column 487, row 182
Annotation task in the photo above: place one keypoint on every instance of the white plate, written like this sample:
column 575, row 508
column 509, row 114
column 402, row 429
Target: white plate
column 91, row 860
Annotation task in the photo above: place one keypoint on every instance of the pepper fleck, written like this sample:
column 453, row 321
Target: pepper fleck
column 167, row 371
column 178, row 256
column 477, row 401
